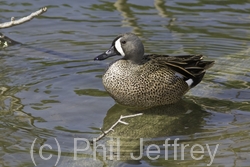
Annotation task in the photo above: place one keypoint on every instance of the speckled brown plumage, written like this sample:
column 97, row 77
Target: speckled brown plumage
column 151, row 80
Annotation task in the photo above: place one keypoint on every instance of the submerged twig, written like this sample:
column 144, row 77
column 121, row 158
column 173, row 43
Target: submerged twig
column 104, row 133
column 14, row 22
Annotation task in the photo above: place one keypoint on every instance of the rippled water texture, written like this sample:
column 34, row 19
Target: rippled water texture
column 54, row 91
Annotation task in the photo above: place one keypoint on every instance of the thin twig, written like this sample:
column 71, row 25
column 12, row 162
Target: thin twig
column 104, row 133
column 14, row 22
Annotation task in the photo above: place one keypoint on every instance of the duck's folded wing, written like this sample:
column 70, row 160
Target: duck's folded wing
column 189, row 66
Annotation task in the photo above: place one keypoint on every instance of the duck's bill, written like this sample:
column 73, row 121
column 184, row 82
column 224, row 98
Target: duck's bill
column 111, row 52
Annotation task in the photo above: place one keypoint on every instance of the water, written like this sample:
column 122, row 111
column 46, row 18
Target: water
column 59, row 94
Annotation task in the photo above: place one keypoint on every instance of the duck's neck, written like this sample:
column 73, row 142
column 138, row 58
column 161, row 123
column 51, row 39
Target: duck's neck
column 134, row 59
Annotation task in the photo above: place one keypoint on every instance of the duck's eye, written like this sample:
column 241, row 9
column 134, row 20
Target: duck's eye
column 123, row 42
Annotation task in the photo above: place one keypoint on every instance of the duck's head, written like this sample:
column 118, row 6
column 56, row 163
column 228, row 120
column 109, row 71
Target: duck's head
column 128, row 45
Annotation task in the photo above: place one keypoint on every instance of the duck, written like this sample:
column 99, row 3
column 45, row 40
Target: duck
column 144, row 81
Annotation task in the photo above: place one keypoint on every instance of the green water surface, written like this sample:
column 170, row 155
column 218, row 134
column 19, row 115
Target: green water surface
column 56, row 92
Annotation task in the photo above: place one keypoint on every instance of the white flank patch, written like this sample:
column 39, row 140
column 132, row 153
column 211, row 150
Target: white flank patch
column 189, row 82
column 119, row 47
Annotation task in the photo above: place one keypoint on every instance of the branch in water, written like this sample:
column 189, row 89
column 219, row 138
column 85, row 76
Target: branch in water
column 14, row 22
column 104, row 133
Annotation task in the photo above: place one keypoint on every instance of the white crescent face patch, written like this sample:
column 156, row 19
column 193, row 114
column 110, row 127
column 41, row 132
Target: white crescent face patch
column 118, row 47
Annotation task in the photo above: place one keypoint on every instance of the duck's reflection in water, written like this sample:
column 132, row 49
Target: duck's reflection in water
column 153, row 127
column 179, row 120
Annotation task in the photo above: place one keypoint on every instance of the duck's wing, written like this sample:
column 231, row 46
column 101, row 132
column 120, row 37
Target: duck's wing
column 189, row 66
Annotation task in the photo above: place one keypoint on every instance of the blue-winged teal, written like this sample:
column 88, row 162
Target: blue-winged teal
column 139, row 80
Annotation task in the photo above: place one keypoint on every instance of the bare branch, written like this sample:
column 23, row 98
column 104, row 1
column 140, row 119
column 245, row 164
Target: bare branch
column 104, row 133
column 14, row 22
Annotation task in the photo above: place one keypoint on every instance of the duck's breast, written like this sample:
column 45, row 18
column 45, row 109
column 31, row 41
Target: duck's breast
column 143, row 85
